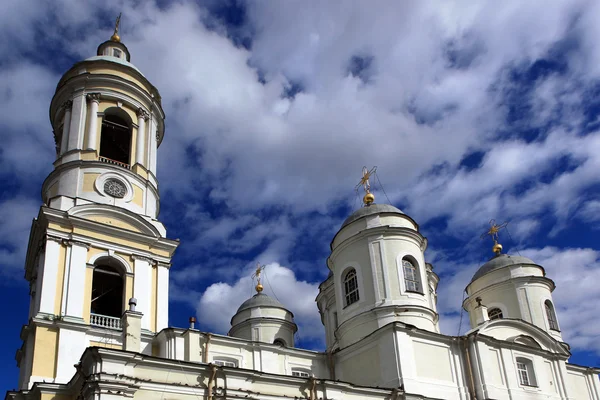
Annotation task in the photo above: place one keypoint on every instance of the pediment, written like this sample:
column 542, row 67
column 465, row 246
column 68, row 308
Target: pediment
column 523, row 333
column 114, row 217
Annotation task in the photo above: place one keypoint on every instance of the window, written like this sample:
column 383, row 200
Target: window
column 552, row 321
column 494, row 313
column 412, row 279
column 350, row 287
column 117, row 53
column 279, row 342
column 107, row 290
column 225, row 363
column 300, row 373
column 115, row 137
column 525, row 371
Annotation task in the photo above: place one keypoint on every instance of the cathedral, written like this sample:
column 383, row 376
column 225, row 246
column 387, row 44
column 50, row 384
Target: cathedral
column 98, row 263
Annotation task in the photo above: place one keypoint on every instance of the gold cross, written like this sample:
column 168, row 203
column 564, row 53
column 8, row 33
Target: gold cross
column 117, row 24
column 256, row 274
column 493, row 232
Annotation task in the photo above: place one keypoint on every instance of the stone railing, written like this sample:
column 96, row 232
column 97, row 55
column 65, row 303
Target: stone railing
column 105, row 321
column 110, row 161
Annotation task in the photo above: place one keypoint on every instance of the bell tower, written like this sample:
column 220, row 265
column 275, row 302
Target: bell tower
column 96, row 241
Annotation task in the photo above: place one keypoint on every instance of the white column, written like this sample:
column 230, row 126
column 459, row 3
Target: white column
column 77, row 122
column 49, row 275
column 140, row 148
column 76, row 286
column 142, row 288
column 64, row 141
column 71, row 345
column 94, row 99
column 162, row 301
column 152, row 144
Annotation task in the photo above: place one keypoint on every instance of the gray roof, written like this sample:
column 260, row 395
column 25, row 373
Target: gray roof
column 500, row 261
column 369, row 210
column 260, row 300
column 114, row 60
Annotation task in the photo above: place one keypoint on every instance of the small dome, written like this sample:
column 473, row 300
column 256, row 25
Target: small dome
column 260, row 300
column 500, row 261
column 370, row 210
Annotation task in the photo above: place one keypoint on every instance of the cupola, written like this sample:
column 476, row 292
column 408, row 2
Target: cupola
column 514, row 287
column 262, row 318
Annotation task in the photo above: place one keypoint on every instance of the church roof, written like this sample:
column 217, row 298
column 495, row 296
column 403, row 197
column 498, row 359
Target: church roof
column 370, row 210
column 260, row 300
column 500, row 261
column 114, row 60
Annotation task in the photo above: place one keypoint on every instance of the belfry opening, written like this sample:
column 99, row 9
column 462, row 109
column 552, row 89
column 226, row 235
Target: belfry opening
column 107, row 290
column 115, row 137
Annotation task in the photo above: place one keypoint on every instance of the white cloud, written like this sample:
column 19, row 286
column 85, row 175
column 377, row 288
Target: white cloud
column 221, row 300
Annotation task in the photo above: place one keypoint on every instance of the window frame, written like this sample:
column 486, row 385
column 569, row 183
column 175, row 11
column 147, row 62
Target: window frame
column 492, row 310
column 551, row 316
column 301, row 372
column 348, row 294
column 525, row 371
column 415, row 280
column 225, row 362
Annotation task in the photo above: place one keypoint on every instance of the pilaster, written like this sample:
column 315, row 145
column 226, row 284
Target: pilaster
column 92, row 137
column 64, row 141
column 77, row 121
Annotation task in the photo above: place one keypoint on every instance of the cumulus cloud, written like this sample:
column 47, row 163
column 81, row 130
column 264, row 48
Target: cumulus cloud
column 221, row 300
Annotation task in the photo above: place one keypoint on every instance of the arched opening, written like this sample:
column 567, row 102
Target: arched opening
column 279, row 342
column 412, row 277
column 525, row 371
column 551, row 315
column 350, row 287
column 495, row 313
column 115, row 137
column 107, row 294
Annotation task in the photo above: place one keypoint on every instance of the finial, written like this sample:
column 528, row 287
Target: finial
column 368, row 198
column 493, row 232
column 115, row 37
column 259, row 287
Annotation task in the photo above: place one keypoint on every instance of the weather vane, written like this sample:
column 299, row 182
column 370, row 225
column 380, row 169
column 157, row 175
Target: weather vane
column 364, row 182
column 256, row 274
column 115, row 37
column 493, row 232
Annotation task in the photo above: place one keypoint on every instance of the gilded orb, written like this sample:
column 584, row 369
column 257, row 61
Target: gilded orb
column 369, row 198
column 497, row 248
column 259, row 288
column 115, row 38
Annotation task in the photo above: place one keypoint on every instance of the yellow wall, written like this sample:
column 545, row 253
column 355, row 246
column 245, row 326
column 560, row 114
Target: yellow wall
column 52, row 396
column 116, row 73
column 45, row 349
column 88, row 181
column 114, row 222
column 138, row 196
column 62, row 255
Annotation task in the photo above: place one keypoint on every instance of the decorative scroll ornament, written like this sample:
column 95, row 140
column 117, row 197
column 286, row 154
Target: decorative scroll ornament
column 115, row 188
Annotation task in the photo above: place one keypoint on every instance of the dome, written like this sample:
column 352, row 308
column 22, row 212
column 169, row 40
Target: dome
column 260, row 300
column 370, row 210
column 500, row 261
column 115, row 60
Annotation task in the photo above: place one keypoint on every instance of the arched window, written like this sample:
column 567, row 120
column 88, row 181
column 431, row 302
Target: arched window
column 494, row 313
column 412, row 278
column 279, row 342
column 525, row 372
column 350, row 287
column 107, row 294
column 115, row 137
column 552, row 321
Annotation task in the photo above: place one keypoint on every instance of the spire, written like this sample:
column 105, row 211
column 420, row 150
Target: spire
column 493, row 232
column 115, row 37
column 368, row 198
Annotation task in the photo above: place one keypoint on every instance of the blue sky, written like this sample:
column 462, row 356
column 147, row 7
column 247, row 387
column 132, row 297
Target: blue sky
column 471, row 111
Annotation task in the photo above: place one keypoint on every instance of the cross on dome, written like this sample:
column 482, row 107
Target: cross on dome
column 493, row 232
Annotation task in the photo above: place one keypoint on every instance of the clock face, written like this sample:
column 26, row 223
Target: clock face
column 115, row 188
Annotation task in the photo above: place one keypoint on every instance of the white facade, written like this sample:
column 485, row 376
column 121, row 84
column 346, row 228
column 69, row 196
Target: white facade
column 97, row 245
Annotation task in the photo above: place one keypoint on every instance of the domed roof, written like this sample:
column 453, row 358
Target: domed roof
column 115, row 60
column 370, row 210
column 500, row 261
column 260, row 300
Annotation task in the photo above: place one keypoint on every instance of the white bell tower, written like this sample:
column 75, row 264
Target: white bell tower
column 96, row 241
